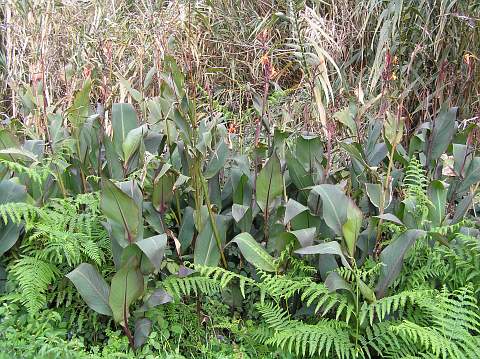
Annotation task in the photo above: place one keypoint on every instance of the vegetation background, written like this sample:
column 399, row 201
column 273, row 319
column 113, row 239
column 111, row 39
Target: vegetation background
column 239, row 121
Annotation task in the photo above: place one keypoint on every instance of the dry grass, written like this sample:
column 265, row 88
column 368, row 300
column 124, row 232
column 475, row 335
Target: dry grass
column 51, row 46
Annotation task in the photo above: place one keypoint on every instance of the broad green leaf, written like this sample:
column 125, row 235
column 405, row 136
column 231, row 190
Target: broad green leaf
column 78, row 112
column 347, row 117
column 163, row 193
column 254, row 253
column 238, row 211
column 393, row 128
column 298, row 174
column 154, row 248
column 187, row 230
column 143, row 327
column 136, row 95
column 309, row 152
column 293, row 209
column 92, row 287
column 217, row 160
column 335, row 282
column 354, row 152
column 437, row 192
column 9, row 234
column 462, row 208
column 12, row 192
column 207, row 252
column 461, row 159
column 124, row 119
column 7, row 140
column 305, row 236
column 242, row 216
column 241, row 188
column 132, row 142
column 127, row 286
column 121, row 210
column 351, row 228
column 391, row 218
column 332, row 247
column 334, row 206
column 366, row 291
column 472, row 175
column 269, row 183
column 374, row 192
column 392, row 259
column 18, row 154
column 442, row 133
column 158, row 297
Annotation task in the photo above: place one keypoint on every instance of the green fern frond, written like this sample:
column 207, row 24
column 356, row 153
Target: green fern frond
column 325, row 338
column 34, row 277
column 187, row 286
column 224, row 277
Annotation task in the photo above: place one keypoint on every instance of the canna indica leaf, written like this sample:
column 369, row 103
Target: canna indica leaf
column 127, row 286
column 351, row 228
column 269, row 183
column 392, row 259
column 334, row 206
column 154, row 248
column 121, row 210
column 92, row 287
column 124, row 119
column 253, row 252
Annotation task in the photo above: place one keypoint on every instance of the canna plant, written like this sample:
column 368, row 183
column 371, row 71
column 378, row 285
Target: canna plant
column 135, row 258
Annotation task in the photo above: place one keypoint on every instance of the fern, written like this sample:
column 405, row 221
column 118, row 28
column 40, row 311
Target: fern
column 324, row 338
column 33, row 276
column 59, row 236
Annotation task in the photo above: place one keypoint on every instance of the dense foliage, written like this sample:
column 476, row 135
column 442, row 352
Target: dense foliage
column 170, row 221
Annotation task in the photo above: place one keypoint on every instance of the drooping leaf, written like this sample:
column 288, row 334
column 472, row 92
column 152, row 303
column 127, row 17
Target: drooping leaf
column 253, row 252
column 393, row 128
column 92, row 287
column 158, row 297
column 374, row 192
column 309, row 152
column 462, row 208
column 293, row 209
column 127, row 286
column 154, row 248
column 12, row 192
column 305, row 236
column 298, row 174
column 143, row 327
column 391, row 218
column 392, row 259
column 269, row 183
column 332, row 247
column 347, row 117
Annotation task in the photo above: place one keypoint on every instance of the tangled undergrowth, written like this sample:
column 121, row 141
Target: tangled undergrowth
column 239, row 179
